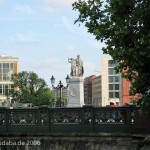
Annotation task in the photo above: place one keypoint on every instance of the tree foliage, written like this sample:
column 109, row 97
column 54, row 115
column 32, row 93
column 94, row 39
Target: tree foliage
column 124, row 26
column 29, row 88
column 64, row 102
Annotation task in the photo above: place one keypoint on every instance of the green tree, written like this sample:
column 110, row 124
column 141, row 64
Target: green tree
column 64, row 101
column 29, row 88
column 124, row 26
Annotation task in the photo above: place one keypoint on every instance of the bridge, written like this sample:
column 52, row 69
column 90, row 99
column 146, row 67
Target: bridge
column 86, row 119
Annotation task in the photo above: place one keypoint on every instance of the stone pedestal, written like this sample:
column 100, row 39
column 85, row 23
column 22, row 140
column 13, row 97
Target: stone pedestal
column 76, row 93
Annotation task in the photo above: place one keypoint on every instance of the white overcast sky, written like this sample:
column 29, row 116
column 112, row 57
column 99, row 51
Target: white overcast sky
column 43, row 35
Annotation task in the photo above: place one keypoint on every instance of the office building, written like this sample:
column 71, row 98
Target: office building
column 8, row 66
column 88, row 89
column 96, row 91
column 111, row 83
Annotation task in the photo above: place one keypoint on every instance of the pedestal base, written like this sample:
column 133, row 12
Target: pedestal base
column 76, row 94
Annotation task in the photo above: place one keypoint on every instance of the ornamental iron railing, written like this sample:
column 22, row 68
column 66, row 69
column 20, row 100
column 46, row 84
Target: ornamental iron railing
column 84, row 119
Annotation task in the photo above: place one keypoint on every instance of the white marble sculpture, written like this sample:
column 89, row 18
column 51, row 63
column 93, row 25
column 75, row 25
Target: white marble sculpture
column 75, row 88
column 77, row 69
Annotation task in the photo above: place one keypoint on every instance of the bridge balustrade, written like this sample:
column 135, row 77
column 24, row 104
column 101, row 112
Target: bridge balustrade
column 67, row 120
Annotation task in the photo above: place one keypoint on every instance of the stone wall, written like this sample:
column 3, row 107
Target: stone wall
column 91, row 141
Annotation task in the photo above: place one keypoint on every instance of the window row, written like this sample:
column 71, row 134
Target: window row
column 113, row 79
column 111, row 63
column 6, row 65
column 113, row 86
column 113, row 94
column 112, row 71
column 5, row 88
column 6, row 70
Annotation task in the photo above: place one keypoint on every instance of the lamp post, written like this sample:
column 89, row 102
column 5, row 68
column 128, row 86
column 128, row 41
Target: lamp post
column 59, row 87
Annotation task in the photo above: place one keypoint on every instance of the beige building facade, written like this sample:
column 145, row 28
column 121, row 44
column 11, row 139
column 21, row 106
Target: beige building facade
column 111, row 83
column 8, row 66
column 96, row 92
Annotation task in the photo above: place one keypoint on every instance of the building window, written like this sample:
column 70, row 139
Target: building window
column 5, row 88
column 6, row 70
column 113, row 79
column 113, row 94
column 111, row 71
column 111, row 63
column 113, row 86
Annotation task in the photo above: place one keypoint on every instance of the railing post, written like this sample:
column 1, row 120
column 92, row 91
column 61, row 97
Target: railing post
column 44, row 119
column 130, row 112
column 7, row 120
column 93, row 118
column 3, row 120
column 88, row 121
column 38, row 120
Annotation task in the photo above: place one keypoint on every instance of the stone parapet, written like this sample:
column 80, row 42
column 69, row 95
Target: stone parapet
column 74, row 141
